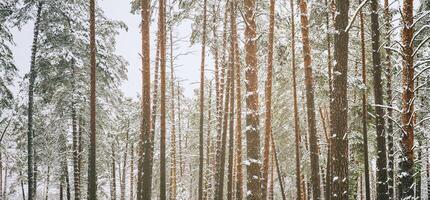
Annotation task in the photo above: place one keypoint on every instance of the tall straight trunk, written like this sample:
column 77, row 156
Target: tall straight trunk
column 339, row 105
column 172, row 119
column 364, row 105
column 80, row 150
column 208, row 175
column 149, row 150
column 390, row 128
column 113, row 171
column 61, row 189
column 330, row 88
column 381, row 160
column 239, row 167
column 132, row 171
column 310, row 101
column 202, row 93
column 232, row 67
column 68, row 190
column 30, row 132
column 144, row 182
column 92, row 174
column 296, row 109
column 5, row 186
column 223, row 85
column 221, row 151
column 124, row 166
column 268, row 103
column 162, row 38
column 75, row 145
column 181, row 168
column 407, row 122
column 252, row 121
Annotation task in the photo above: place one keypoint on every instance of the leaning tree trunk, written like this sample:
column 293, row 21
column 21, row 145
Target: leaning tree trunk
column 364, row 106
column 339, row 105
column 310, row 102
column 202, row 93
column 296, row 110
column 268, row 103
column 381, row 160
column 390, row 128
column 407, row 114
column 144, row 182
column 92, row 176
column 30, row 133
column 252, row 121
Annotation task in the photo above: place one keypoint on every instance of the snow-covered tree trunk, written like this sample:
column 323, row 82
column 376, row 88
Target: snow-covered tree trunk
column 407, row 114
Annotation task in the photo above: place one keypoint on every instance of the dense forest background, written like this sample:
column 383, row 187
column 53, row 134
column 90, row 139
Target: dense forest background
column 296, row 99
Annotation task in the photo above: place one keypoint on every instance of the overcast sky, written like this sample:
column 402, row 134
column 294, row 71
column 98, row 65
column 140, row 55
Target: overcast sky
column 129, row 46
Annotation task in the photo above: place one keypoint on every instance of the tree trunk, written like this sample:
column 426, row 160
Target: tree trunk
column 172, row 119
column 239, row 167
column 310, row 102
column 275, row 156
column 1, row 176
column 339, row 105
column 124, row 165
column 296, row 110
column 75, row 145
column 92, row 176
column 181, row 168
column 32, row 77
column 113, row 171
column 47, row 184
column 208, row 175
column 390, row 128
column 407, row 142
column 144, row 181
column 268, row 102
column 381, row 160
column 132, row 172
column 252, row 121
column 202, row 93
column 364, row 106
column 221, row 150
column 232, row 67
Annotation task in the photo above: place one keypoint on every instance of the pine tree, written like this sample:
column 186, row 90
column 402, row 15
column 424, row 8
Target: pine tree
column 162, row 38
column 310, row 102
column 172, row 121
column 407, row 114
column 252, row 120
column 202, row 93
column 296, row 111
column 268, row 103
column 339, row 105
column 364, row 106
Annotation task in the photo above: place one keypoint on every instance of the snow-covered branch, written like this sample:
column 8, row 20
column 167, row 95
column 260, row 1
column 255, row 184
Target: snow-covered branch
column 355, row 15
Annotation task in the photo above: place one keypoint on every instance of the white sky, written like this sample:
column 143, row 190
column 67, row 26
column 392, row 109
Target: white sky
column 129, row 46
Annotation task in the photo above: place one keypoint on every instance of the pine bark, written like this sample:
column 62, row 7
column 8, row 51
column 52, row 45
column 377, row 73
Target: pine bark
column 92, row 175
column 162, row 37
column 268, row 103
column 381, row 160
column 296, row 109
column 252, row 120
column 407, row 115
column 390, row 128
column 339, row 105
column 239, row 167
column 30, row 133
column 202, row 93
column 172, row 122
column 310, row 102
column 364, row 106
column 144, row 185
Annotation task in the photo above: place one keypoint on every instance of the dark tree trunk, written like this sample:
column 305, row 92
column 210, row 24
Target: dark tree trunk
column 202, row 93
column 30, row 133
column 364, row 106
column 339, row 105
column 92, row 175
